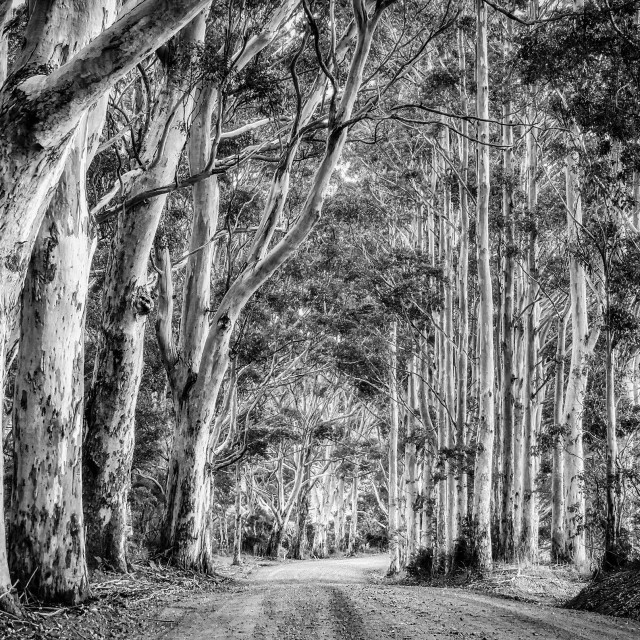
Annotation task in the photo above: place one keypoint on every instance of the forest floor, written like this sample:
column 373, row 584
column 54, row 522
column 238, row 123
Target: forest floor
column 342, row 598
column 121, row 607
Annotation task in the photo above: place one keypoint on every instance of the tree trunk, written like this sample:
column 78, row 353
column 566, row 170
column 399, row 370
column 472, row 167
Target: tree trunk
column 529, row 542
column 394, row 525
column 186, row 499
column 47, row 545
column 449, row 370
column 185, row 474
column 8, row 602
column 582, row 343
column 340, row 520
column 429, row 454
column 353, row 524
column 237, row 537
column 47, row 550
column 275, row 539
column 612, row 558
column 558, row 542
column 518, row 422
column 507, row 542
column 463, row 303
column 126, row 305
column 40, row 112
column 483, row 472
column 410, row 466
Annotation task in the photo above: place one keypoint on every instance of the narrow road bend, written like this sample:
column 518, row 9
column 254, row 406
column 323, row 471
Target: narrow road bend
column 337, row 599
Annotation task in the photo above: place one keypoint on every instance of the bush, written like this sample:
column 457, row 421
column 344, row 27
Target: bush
column 420, row 566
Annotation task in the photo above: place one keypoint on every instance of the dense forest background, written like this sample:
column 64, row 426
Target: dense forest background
column 292, row 278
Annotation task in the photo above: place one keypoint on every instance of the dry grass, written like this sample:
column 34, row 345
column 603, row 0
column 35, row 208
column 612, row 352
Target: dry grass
column 540, row 583
column 121, row 606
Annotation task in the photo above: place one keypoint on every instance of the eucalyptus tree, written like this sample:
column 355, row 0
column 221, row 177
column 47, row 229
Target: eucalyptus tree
column 41, row 113
column 185, row 509
column 46, row 526
column 183, row 108
column 481, row 515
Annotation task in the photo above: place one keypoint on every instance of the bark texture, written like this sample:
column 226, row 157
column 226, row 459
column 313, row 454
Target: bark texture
column 484, row 456
column 125, row 307
column 183, row 518
column 46, row 545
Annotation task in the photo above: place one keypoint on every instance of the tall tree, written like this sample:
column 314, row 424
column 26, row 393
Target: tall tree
column 484, row 454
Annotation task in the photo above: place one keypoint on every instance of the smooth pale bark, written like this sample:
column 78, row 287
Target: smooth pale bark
column 442, row 522
column 125, row 307
column 429, row 376
column 394, row 515
column 582, row 343
column 410, row 467
column 529, row 542
column 340, row 518
column 301, row 543
column 47, row 550
column 611, row 557
column 481, row 526
column 557, row 476
column 39, row 113
column 322, row 501
column 182, row 363
column 46, row 542
column 353, row 523
column 449, row 375
column 184, row 508
column 429, row 453
column 441, row 373
column 463, row 300
column 237, row 529
column 518, row 426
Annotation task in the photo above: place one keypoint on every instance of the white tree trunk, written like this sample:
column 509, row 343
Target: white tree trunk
column 410, row 466
column 353, row 524
column 237, row 529
column 183, row 510
column 463, row 301
column 483, row 471
column 394, row 515
column 582, row 343
column 529, row 541
column 47, row 551
column 39, row 114
column 47, row 546
column 558, row 542
column 126, row 304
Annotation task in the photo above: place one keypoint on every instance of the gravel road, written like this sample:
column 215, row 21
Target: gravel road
column 340, row 599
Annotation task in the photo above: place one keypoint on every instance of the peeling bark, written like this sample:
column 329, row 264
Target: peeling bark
column 46, row 542
column 125, row 307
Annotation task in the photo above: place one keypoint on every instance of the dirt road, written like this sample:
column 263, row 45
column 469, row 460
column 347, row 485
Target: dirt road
column 338, row 599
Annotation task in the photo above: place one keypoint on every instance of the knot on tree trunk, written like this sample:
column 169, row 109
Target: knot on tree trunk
column 143, row 303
